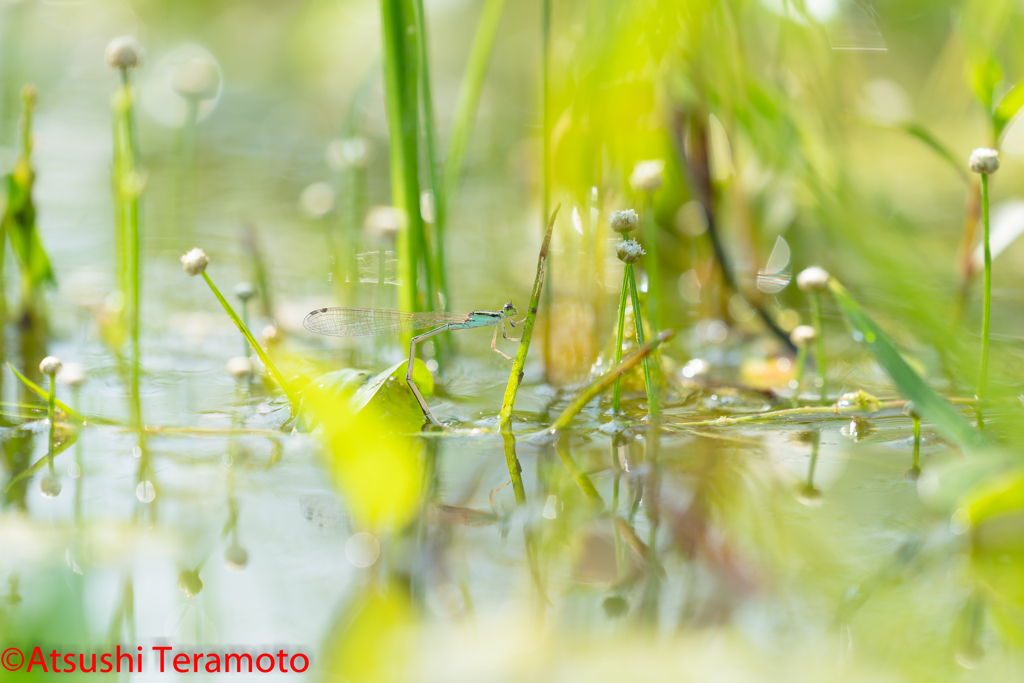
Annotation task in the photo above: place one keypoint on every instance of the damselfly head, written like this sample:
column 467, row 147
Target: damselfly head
column 509, row 310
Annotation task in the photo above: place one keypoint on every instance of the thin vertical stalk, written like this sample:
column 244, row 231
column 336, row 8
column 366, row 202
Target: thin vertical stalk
column 51, row 408
column 652, row 265
column 820, row 338
column 126, row 192
column 434, row 262
column 516, row 377
column 801, row 365
column 617, row 391
column 469, row 98
column 652, row 399
column 986, row 315
column 545, row 105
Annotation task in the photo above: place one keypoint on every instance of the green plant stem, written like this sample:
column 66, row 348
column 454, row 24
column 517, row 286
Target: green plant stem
column 602, row 383
column 126, row 192
column 801, row 364
column 619, row 333
column 434, row 252
column 652, row 265
column 51, row 404
column 652, row 394
column 545, row 105
column 516, row 377
column 986, row 315
column 466, row 105
column 820, row 340
column 577, row 473
column 275, row 373
column 917, row 442
column 515, row 470
column 42, row 393
column 400, row 85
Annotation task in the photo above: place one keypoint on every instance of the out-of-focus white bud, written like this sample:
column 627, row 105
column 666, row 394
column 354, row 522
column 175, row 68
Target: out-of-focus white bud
column 123, row 52
column 813, row 279
column 803, row 335
column 385, row 222
column 647, row 176
column 197, row 78
column 317, row 200
column 244, row 290
column 239, row 367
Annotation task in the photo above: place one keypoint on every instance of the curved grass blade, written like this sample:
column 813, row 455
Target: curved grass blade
column 947, row 420
column 924, row 135
column 45, row 395
column 606, row 380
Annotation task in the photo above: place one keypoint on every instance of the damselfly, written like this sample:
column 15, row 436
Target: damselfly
column 371, row 322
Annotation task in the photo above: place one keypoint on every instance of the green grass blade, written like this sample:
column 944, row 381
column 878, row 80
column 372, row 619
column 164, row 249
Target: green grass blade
column 531, row 319
column 924, row 135
column 607, row 379
column 400, row 88
column 469, row 93
column 293, row 398
column 947, row 420
column 45, row 395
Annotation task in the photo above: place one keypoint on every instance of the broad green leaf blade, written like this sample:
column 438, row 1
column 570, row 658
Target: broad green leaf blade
column 924, row 135
column 932, row 407
column 1007, row 107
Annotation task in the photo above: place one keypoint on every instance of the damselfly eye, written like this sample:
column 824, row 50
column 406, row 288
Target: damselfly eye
column 510, row 309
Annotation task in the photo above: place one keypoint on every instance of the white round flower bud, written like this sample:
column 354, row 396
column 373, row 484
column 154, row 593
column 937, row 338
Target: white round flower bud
column 50, row 486
column 646, row 176
column 73, row 374
column 195, row 261
column 813, row 279
column 623, row 221
column 244, row 290
column 196, row 79
column 239, row 367
column 984, row 160
column 50, row 365
column 352, row 152
column 123, row 52
column 803, row 335
column 317, row 200
column 629, row 251
column 236, row 557
column 385, row 221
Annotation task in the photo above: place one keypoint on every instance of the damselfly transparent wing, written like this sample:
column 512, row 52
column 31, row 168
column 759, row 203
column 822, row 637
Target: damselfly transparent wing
column 370, row 322
column 775, row 275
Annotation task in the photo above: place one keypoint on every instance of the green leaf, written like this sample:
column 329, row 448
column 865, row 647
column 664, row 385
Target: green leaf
column 386, row 394
column 19, row 222
column 925, row 136
column 1007, row 107
column 932, row 407
column 985, row 75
